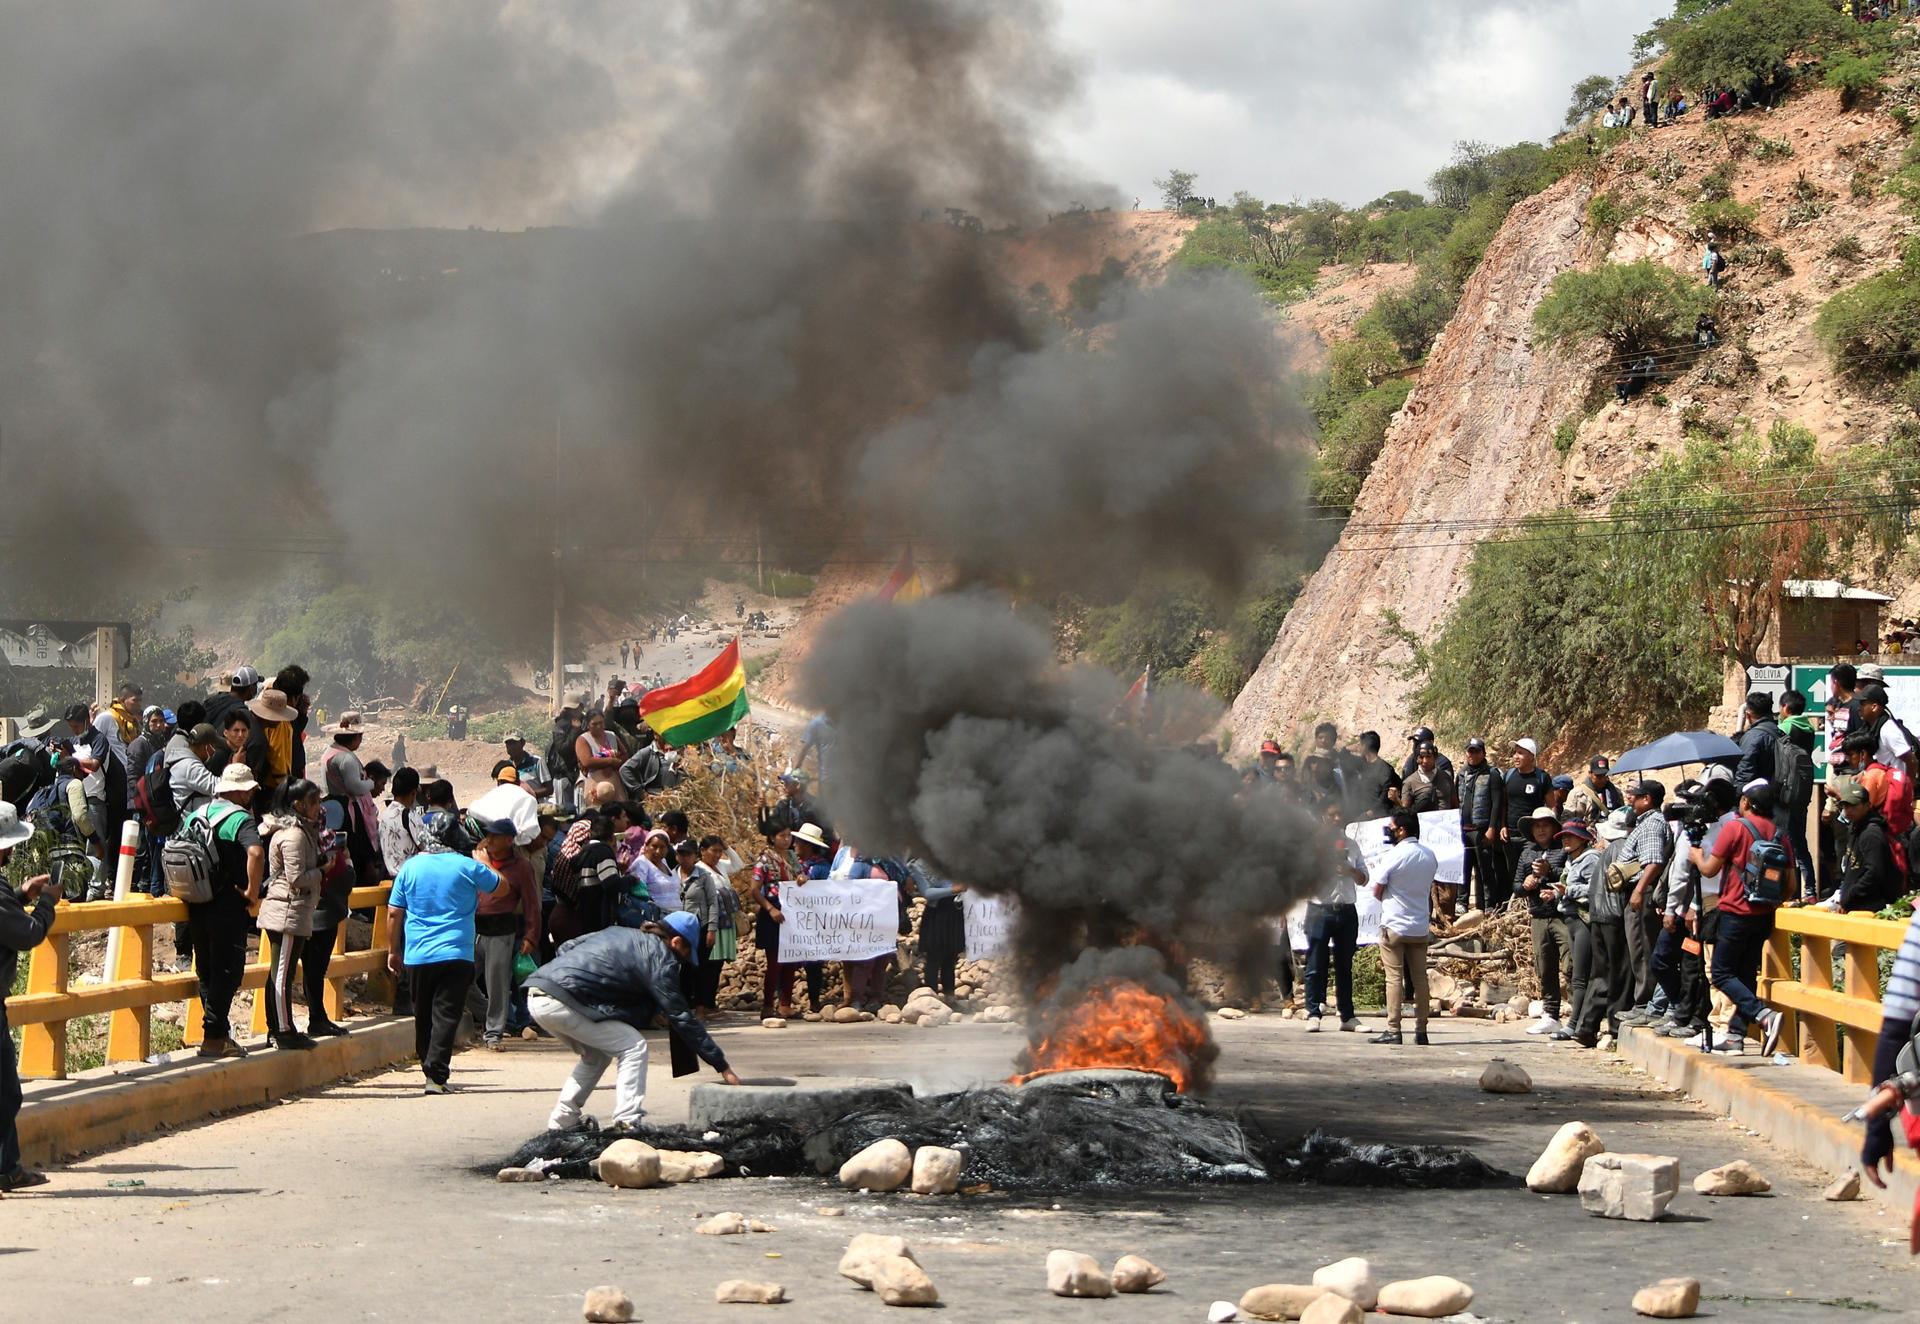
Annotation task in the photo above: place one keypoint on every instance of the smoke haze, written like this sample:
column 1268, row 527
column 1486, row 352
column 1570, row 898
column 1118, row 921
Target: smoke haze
column 747, row 294
column 755, row 313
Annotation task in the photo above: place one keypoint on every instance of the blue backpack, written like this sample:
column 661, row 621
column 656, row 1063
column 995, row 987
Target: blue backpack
column 1768, row 876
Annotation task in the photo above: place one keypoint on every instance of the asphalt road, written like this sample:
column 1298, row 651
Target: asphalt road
column 359, row 1203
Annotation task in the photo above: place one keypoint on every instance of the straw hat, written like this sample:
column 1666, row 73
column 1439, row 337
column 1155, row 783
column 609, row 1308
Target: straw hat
column 272, row 706
column 812, row 835
column 351, row 723
column 12, row 830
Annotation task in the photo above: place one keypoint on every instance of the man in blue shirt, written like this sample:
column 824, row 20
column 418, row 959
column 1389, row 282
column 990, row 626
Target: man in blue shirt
column 430, row 923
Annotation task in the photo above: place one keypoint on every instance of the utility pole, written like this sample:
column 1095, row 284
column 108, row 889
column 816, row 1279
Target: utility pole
column 557, row 680
column 759, row 557
column 106, row 665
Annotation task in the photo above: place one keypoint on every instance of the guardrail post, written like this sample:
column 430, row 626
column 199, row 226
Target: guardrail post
column 335, row 998
column 130, row 1030
column 1863, row 981
column 1776, row 966
column 1820, row 1043
column 381, row 984
column 43, row 1048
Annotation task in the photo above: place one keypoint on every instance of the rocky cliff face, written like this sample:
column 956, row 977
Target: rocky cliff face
column 1474, row 440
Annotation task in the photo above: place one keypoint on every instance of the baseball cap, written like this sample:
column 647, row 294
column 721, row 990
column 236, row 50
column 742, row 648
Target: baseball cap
column 514, row 738
column 1271, row 747
column 1644, row 787
column 548, row 809
column 1476, row 743
column 683, row 923
column 1758, row 783
column 203, row 734
column 509, row 774
column 1526, row 743
column 1422, row 733
column 245, row 676
column 1716, row 772
column 1598, row 763
column 77, row 712
column 1849, row 791
column 1875, row 693
column 1573, row 827
column 1563, row 783
column 502, row 827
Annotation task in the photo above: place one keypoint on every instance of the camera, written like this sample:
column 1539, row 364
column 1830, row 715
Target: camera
column 1700, row 807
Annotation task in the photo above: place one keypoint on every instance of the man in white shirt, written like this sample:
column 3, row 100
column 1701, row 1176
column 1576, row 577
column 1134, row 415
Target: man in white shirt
column 1333, row 927
column 1403, row 883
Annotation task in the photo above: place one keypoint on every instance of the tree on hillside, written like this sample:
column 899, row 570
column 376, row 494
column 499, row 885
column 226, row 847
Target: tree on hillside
column 1633, row 306
column 1572, row 621
column 1478, row 169
column 1749, row 42
column 1400, row 199
column 1176, row 189
column 1590, row 95
column 1873, row 330
column 1755, row 513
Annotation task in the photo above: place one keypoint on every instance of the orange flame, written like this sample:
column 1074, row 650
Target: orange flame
column 1121, row 1025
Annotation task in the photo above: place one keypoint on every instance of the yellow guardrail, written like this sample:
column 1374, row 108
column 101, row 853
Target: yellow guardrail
column 129, row 992
column 1821, row 1017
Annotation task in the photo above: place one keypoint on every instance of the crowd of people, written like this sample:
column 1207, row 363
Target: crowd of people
column 556, row 904
column 1641, row 897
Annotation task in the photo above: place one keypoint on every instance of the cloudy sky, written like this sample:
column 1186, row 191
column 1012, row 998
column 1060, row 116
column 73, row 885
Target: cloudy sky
column 1344, row 99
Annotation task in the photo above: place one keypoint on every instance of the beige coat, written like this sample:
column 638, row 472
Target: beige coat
column 293, row 876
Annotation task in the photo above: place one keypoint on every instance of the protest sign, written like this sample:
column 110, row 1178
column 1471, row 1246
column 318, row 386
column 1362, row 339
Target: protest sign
column 838, row 920
column 989, row 921
column 1439, row 831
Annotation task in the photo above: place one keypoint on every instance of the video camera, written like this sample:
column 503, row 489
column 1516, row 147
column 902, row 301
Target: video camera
column 1700, row 805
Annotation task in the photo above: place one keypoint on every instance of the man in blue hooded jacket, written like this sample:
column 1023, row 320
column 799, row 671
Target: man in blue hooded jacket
column 600, row 991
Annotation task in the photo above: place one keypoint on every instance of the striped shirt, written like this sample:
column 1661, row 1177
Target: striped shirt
column 1901, row 1001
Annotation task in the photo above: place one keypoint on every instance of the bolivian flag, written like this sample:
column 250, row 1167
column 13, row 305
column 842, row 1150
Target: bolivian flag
column 903, row 585
column 702, row 706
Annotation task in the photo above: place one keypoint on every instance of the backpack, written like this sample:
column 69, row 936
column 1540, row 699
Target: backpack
column 1719, row 262
column 187, row 860
column 1792, row 773
column 560, row 758
column 153, row 797
column 1767, row 878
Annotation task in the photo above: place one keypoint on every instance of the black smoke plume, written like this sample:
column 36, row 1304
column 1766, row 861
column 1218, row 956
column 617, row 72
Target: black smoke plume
column 962, row 740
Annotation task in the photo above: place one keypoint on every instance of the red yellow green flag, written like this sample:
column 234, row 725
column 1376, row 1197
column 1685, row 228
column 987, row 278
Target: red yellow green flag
column 903, row 585
column 702, row 706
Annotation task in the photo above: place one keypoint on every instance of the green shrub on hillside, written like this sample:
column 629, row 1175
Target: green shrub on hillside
column 1227, row 660
column 1561, row 627
column 1744, row 43
column 1717, row 184
column 1161, row 624
column 1353, row 443
column 1872, row 331
column 1730, row 221
column 1633, row 306
column 1413, row 317
column 1855, row 76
